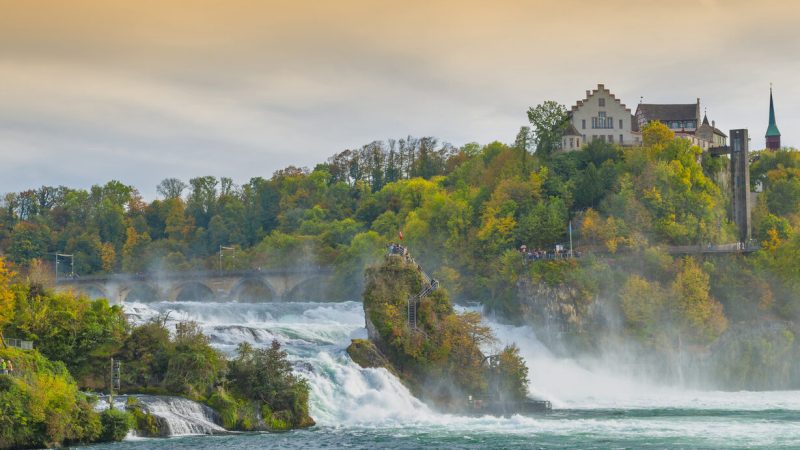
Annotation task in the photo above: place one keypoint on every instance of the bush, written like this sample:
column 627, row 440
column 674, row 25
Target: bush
column 42, row 406
column 115, row 425
column 265, row 376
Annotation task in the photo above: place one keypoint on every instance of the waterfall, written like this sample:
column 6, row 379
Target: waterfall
column 178, row 416
column 344, row 395
column 315, row 335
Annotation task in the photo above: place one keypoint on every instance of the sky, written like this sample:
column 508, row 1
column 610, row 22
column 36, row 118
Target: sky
column 139, row 91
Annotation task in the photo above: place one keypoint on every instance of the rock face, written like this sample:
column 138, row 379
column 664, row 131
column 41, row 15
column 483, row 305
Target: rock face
column 560, row 308
column 364, row 353
column 432, row 349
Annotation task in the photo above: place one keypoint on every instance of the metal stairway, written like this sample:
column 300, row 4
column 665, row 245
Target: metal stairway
column 429, row 285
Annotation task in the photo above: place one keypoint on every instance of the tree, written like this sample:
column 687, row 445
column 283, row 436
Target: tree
column 548, row 121
column 656, row 133
column 28, row 241
column 171, row 188
column 523, row 145
column 133, row 250
column 6, row 296
column 642, row 304
column 700, row 316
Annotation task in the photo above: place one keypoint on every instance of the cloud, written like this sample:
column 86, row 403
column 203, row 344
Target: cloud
column 93, row 90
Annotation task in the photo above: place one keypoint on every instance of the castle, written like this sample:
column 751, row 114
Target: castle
column 600, row 115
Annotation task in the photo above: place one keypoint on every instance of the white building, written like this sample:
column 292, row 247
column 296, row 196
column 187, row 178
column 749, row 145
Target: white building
column 600, row 116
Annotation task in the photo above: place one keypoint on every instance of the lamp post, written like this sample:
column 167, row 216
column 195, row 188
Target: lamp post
column 221, row 248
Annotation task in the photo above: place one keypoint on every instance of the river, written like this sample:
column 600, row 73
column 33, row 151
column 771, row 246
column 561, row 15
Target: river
column 368, row 408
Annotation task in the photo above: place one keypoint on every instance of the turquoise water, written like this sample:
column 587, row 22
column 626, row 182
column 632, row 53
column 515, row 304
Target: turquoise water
column 368, row 408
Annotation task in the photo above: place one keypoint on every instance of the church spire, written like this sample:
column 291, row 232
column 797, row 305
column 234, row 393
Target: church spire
column 773, row 135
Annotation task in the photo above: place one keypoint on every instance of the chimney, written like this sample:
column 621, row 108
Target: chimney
column 713, row 124
column 697, row 111
column 600, row 87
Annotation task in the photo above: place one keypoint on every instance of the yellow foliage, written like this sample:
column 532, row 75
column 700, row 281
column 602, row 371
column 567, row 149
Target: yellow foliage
column 701, row 315
column 656, row 134
column 108, row 256
column 6, row 295
column 772, row 242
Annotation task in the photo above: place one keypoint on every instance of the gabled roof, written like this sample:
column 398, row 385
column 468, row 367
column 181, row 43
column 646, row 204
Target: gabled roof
column 652, row 111
column 714, row 130
column 600, row 87
column 571, row 130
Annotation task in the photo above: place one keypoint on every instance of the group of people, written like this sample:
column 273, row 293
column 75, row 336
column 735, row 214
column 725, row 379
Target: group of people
column 397, row 249
column 536, row 254
column 6, row 368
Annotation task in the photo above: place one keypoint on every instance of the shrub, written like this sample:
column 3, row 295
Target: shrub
column 115, row 425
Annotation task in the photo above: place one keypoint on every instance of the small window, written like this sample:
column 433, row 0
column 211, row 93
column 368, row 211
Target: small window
column 620, row 139
column 583, row 123
column 610, row 138
column 571, row 142
column 602, row 102
column 610, row 122
column 620, row 124
column 675, row 125
column 602, row 114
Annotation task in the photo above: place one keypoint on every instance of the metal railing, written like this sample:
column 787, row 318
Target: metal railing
column 19, row 343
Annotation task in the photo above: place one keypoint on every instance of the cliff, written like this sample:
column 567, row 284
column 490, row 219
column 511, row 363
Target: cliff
column 435, row 351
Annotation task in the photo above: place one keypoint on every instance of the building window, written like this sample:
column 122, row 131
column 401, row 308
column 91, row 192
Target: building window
column 675, row 125
column 571, row 142
column 620, row 124
column 602, row 102
column 583, row 123
column 578, row 142
column 620, row 140
column 611, row 138
column 610, row 122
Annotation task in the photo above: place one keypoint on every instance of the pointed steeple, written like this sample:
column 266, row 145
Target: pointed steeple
column 773, row 134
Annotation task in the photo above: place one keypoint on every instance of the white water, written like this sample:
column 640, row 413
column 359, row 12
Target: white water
column 182, row 417
column 345, row 396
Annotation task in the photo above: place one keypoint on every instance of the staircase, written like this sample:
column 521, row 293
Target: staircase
column 429, row 285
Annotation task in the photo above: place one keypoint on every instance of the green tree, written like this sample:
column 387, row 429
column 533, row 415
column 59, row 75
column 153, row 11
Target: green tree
column 548, row 122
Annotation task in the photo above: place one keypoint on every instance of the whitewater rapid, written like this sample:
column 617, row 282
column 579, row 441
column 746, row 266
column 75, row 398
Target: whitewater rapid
column 345, row 396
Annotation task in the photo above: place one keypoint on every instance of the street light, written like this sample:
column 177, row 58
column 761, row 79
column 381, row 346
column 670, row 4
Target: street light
column 221, row 248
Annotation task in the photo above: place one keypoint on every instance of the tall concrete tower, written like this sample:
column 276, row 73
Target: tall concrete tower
column 773, row 135
column 740, row 177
